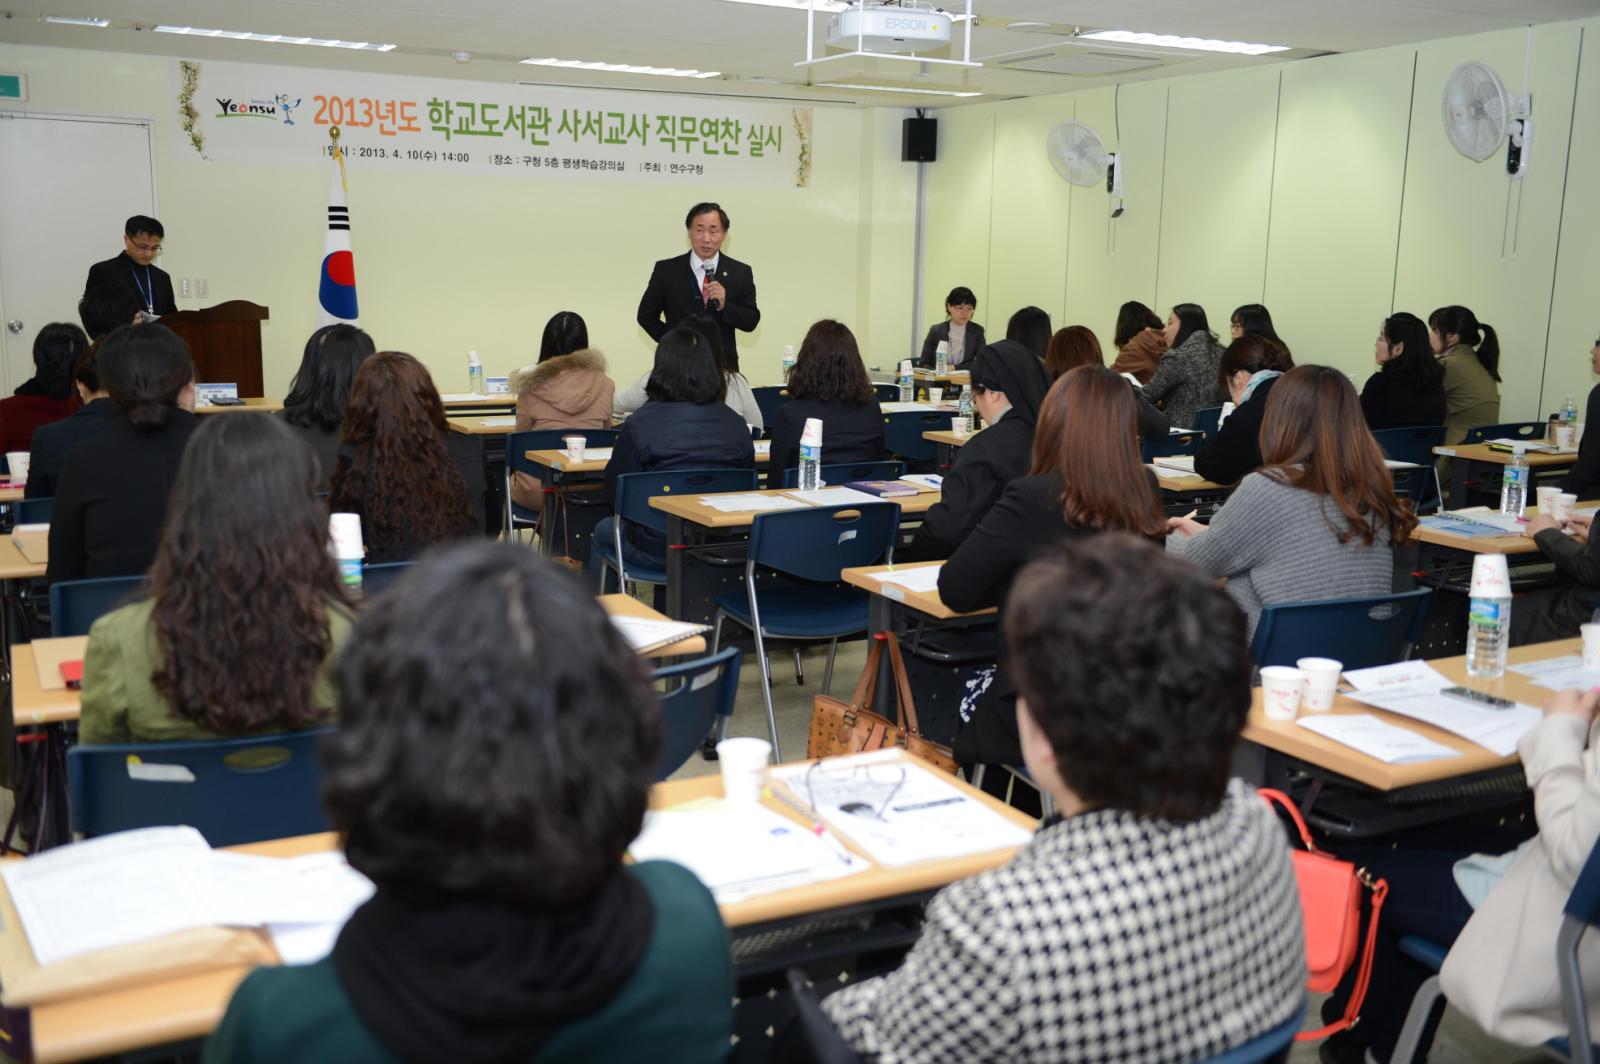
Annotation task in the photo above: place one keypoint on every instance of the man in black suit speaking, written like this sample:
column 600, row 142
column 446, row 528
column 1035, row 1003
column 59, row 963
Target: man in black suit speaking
column 132, row 274
column 707, row 281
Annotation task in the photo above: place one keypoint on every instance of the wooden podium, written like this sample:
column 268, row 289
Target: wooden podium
column 226, row 342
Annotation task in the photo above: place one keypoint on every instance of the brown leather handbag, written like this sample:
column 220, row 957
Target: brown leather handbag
column 839, row 728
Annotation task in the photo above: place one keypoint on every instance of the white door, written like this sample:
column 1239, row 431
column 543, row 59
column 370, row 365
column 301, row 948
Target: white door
column 67, row 185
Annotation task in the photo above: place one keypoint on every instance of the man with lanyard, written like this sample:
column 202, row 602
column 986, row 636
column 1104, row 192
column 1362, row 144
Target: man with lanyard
column 707, row 281
column 133, row 273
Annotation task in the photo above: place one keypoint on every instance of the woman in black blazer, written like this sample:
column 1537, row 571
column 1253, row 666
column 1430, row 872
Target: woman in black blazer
column 829, row 382
column 1088, row 480
column 1408, row 388
column 958, row 308
column 1249, row 367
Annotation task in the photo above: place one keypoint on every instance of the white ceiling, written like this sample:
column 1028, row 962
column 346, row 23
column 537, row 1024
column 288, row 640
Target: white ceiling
column 756, row 48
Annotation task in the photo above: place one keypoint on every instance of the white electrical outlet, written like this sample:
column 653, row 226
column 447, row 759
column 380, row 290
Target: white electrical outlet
column 183, row 287
column 201, row 287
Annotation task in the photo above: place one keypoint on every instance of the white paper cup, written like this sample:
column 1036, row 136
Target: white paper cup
column 744, row 768
column 1280, row 692
column 17, row 464
column 935, row 395
column 1566, row 502
column 1591, row 645
column 574, row 446
column 1567, row 435
column 961, row 426
column 1319, row 682
column 1547, row 499
column 1491, row 577
column 344, row 533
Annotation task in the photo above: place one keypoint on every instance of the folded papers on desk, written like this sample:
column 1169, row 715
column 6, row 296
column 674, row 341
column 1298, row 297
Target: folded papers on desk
column 920, row 578
column 1479, row 522
column 736, row 502
column 1560, row 674
column 1422, row 698
column 645, row 634
column 1367, row 734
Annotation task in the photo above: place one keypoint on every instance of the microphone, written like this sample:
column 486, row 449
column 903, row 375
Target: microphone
column 706, row 266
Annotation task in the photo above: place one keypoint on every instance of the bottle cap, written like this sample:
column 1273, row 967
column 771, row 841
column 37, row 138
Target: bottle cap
column 811, row 435
column 472, row 359
column 1491, row 577
column 944, row 347
column 905, row 365
column 344, row 530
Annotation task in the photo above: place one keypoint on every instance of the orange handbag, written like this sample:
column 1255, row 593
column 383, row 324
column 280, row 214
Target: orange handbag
column 1330, row 905
column 839, row 728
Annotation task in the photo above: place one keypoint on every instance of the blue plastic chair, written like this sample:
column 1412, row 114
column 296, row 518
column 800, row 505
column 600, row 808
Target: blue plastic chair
column 845, row 472
column 231, row 790
column 704, row 696
column 812, row 545
column 32, row 511
column 768, row 399
column 1172, row 444
column 1272, row 1046
column 1360, row 632
column 1511, row 430
column 887, row 393
column 1208, row 419
column 375, row 579
column 822, row 1038
column 632, row 503
column 1415, row 444
column 902, row 433
column 518, row 444
column 77, row 604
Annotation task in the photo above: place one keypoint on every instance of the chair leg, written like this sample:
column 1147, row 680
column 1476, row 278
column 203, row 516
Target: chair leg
column 827, row 672
column 975, row 776
column 720, row 730
column 766, row 679
column 799, row 669
column 1408, row 1047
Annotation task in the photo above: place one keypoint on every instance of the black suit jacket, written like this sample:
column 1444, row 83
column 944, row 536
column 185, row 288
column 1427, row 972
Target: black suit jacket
column 121, row 273
column 972, row 342
column 52, row 442
column 1236, row 448
column 983, row 466
column 1584, row 475
column 673, row 294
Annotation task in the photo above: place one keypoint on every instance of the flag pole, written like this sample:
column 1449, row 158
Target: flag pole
column 338, row 155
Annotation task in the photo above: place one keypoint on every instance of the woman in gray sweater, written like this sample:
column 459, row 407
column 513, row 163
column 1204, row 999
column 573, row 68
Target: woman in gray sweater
column 1186, row 379
column 1320, row 518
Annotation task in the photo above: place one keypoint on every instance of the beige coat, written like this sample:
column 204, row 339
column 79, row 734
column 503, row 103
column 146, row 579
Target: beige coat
column 1471, row 396
column 1502, row 971
column 568, row 392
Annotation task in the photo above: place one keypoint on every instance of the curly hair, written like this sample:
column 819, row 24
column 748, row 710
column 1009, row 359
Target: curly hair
column 829, row 367
column 520, row 784
column 401, row 478
column 242, row 591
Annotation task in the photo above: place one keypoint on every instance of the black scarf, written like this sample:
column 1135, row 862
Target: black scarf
column 1006, row 366
column 479, row 982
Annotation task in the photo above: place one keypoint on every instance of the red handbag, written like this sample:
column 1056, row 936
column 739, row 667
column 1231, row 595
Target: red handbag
column 1330, row 905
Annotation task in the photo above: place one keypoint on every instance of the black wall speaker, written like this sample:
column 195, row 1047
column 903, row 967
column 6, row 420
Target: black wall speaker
column 919, row 140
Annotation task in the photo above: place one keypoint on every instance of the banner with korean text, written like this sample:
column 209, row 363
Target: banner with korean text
column 253, row 114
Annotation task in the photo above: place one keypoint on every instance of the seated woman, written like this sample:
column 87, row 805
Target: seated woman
column 685, row 425
column 964, row 335
column 1030, row 327
column 47, row 396
column 1319, row 519
column 1249, row 367
column 1253, row 319
column 1008, row 384
column 1077, row 345
column 1086, row 477
column 1408, row 388
column 566, row 389
column 321, row 387
column 1557, row 612
column 737, row 393
column 1186, row 378
column 1133, row 684
column 1139, row 341
column 505, row 926
column 829, row 382
column 242, row 613
column 111, row 498
column 413, row 481
column 1584, row 476
column 52, row 442
column 1469, row 351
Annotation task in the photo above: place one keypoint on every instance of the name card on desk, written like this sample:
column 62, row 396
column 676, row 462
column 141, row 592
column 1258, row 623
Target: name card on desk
column 208, row 394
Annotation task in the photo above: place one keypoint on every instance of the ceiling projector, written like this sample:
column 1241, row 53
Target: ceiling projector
column 885, row 28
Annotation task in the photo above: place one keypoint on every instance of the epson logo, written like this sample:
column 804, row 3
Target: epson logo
column 914, row 25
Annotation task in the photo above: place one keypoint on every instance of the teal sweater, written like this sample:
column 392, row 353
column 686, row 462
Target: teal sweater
column 677, row 1006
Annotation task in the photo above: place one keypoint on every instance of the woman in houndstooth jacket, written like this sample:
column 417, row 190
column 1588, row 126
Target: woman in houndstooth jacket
column 1157, row 920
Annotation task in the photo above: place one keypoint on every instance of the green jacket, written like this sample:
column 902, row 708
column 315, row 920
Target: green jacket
column 121, row 703
column 678, row 1006
column 1471, row 396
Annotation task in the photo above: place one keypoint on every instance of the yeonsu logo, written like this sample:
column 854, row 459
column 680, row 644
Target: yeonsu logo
column 246, row 108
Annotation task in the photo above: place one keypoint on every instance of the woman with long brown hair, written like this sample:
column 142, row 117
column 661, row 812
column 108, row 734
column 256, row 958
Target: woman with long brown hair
column 1319, row 519
column 1077, row 345
column 243, row 609
column 1086, row 477
column 829, row 382
column 413, row 482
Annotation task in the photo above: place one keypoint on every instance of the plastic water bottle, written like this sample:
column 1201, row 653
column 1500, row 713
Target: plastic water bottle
column 965, row 409
column 907, row 386
column 1569, row 410
column 811, row 455
column 1488, row 616
column 941, row 357
column 1514, row 485
column 474, row 373
column 788, row 361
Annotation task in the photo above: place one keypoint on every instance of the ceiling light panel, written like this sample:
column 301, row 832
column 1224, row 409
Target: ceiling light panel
column 276, row 38
column 622, row 68
column 893, row 88
column 832, row 6
column 68, row 20
column 1190, row 44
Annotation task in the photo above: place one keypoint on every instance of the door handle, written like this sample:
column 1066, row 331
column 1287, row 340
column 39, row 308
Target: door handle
column 14, row 325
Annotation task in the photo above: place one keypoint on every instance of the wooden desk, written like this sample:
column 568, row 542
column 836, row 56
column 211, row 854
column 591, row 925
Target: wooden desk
column 1187, row 485
column 946, row 443
column 10, row 494
column 924, row 602
column 558, row 461
column 14, row 566
column 1508, row 545
column 1468, row 459
column 255, row 403
column 501, row 425
column 189, row 1007
column 628, row 606
column 958, row 376
column 457, row 401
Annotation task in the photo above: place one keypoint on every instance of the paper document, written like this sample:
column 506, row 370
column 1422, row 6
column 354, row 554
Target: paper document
column 648, row 633
column 921, row 578
column 1558, row 674
column 925, row 481
column 1506, row 523
column 907, row 408
column 735, row 502
column 897, row 811
column 1452, row 525
column 763, row 447
column 1177, row 465
column 466, row 397
column 833, row 497
column 497, row 422
column 739, row 851
column 1494, row 729
column 1365, row 733
column 1418, row 674
column 1529, row 446
column 597, row 454
column 1392, row 464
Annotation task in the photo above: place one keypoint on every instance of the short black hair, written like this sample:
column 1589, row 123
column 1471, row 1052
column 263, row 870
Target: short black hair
column 86, row 371
column 144, row 367
column 706, row 208
column 1135, row 665
column 686, row 371
column 564, row 333
column 1191, row 319
column 106, row 307
column 56, row 350
column 961, row 296
column 321, row 385
column 1030, row 327
column 520, row 784
column 143, row 223
column 710, row 330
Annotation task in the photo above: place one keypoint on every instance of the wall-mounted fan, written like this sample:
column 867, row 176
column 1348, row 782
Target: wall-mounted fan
column 1080, row 156
column 1480, row 116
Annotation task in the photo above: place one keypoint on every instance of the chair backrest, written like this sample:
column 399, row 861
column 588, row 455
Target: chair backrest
column 1411, row 444
column 231, row 790
column 634, row 490
column 1582, row 911
column 705, row 691
column 814, row 544
column 1173, row 443
column 1420, row 486
column 1360, row 632
column 845, row 472
column 902, row 433
column 1207, row 420
column 32, row 511
column 1272, row 1046
column 1511, row 430
column 768, row 398
column 375, row 579
column 518, row 444
column 826, row 1044
column 890, row 393
column 77, row 604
